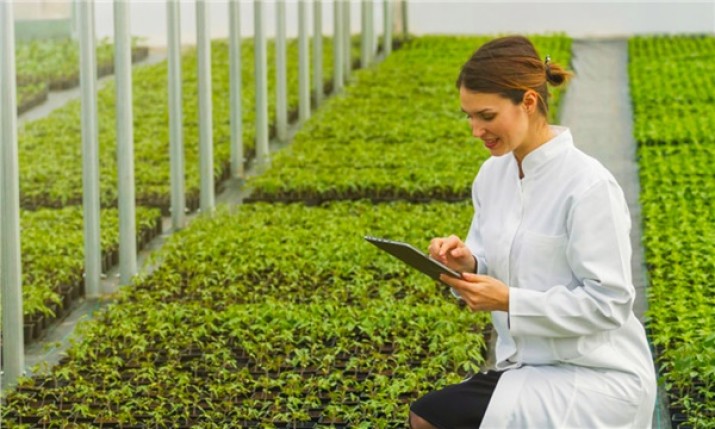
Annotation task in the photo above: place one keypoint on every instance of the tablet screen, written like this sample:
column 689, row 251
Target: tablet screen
column 413, row 257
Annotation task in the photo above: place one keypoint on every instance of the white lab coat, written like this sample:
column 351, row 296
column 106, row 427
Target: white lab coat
column 574, row 353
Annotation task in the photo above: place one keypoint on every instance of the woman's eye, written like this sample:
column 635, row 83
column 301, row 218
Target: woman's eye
column 488, row 117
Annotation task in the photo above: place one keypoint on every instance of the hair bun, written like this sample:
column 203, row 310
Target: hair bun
column 555, row 75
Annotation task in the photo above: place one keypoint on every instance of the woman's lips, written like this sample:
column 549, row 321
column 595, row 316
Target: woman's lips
column 491, row 143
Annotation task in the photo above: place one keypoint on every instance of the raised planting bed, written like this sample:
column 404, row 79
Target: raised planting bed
column 50, row 148
column 55, row 62
column 674, row 126
column 669, row 108
column 310, row 254
column 269, row 316
column 31, row 95
column 275, row 364
column 679, row 238
column 52, row 256
column 397, row 133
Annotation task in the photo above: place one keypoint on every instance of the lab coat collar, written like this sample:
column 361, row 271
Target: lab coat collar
column 541, row 155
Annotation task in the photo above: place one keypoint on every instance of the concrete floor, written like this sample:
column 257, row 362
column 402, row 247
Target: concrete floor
column 597, row 108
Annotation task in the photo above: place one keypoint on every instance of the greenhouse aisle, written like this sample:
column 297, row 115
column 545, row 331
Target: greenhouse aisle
column 597, row 108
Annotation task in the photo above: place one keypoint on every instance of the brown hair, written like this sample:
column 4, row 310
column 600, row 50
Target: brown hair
column 510, row 66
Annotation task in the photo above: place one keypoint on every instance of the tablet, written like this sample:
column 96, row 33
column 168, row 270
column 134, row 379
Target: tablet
column 413, row 257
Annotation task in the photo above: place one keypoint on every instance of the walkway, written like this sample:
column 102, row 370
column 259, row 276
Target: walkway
column 597, row 108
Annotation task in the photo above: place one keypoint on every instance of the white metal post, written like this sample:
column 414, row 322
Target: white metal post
column 10, row 264
column 75, row 20
column 303, row 63
column 387, row 16
column 90, row 149
column 203, row 52
column 125, row 143
column 370, row 31
column 337, row 46
column 261, row 82
column 281, row 79
column 405, row 28
column 347, row 41
column 366, row 37
column 237, row 156
column 176, row 133
column 318, row 51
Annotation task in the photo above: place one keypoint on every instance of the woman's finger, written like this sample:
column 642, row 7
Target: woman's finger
column 435, row 245
column 460, row 252
column 453, row 281
column 471, row 277
column 450, row 243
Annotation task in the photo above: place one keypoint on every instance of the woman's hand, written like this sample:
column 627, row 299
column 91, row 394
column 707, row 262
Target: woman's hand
column 480, row 293
column 452, row 252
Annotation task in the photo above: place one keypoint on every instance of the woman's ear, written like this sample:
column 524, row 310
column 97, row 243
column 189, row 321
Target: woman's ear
column 530, row 101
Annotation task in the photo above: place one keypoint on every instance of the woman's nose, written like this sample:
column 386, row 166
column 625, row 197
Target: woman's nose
column 477, row 131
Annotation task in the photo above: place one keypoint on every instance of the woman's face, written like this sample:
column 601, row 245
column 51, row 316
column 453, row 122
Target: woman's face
column 502, row 125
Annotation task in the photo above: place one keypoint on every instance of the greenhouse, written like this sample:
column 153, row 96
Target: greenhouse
column 186, row 188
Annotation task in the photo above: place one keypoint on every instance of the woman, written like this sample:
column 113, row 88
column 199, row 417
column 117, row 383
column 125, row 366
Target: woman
column 548, row 253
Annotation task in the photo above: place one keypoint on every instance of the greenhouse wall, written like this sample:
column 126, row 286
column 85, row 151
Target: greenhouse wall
column 578, row 18
column 42, row 20
column 585, row 18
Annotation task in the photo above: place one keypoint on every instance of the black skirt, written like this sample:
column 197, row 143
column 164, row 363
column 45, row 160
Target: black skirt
column 459, row 406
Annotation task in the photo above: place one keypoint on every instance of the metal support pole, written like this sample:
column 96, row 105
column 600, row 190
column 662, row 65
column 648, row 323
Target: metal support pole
column 261, row 81
column 370, row 31
column 337, row 47
column 125, row 143
column 303, row 63
column 176, row 133
column 318, row 51
column 387, row 40
column 347, row 41
column 237, row 156
column 281, row 79
column 366, row 36
column 405, row 28
column 13, row 358
column 203, row 52
column 74, row 14
column 90, row 150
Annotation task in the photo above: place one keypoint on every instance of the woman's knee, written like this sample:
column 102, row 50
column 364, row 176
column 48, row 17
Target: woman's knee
column 417, row 422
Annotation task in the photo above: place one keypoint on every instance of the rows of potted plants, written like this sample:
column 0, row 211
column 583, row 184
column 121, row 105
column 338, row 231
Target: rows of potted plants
column 397, row 133
column 53, row 160
column 328, row 365
column 31, row 95
column 307, row 254
column 45, row 299
column 270, row 316
column 672, row 88
column 52, row 256
column 674, row 127
column 53, row 64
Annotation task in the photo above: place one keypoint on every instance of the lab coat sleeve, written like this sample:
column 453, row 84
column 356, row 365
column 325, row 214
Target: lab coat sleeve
column 598, row 252
column 474, row 237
